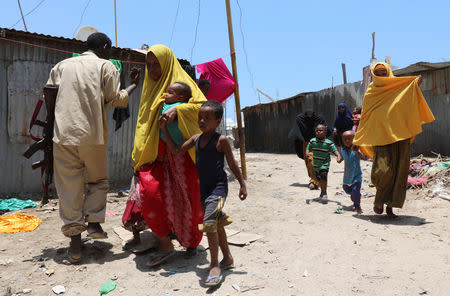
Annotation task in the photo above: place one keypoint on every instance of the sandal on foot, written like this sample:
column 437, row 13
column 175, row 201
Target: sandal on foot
column 164, row 257
column 226, row 267
column 378, row 210
column 98, row 235
column 212, row 284
column 72, row 259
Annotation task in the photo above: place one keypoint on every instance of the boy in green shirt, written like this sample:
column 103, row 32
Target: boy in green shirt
column 321, row 147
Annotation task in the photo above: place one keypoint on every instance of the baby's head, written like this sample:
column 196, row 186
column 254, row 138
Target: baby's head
column 210, row 115
column 204, row 86
column 178, row 92
column 321, row 131
column 347, row 138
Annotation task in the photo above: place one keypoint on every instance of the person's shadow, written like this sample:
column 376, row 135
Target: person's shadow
column 178, row 264
column 296, row 184
column 93, row 252
column 400, row 220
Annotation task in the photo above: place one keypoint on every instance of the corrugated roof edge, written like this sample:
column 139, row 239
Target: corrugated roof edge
column 421, row 67
column 278, row 101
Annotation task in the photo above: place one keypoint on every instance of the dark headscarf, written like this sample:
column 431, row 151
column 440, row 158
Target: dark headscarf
column 343, row 122
column 307, row 124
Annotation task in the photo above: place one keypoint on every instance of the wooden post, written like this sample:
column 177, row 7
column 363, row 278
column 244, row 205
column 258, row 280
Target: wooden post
column 373, row 46
column 236, row 91
column 344, row 73
column 115, row 19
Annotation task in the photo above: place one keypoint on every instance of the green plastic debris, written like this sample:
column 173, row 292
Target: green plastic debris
column 339, row 211
column 107, row 287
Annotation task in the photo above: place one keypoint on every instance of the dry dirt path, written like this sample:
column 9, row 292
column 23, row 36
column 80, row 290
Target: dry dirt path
column 307, row 249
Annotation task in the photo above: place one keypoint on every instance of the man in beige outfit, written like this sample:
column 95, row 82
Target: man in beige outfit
column 88, row 84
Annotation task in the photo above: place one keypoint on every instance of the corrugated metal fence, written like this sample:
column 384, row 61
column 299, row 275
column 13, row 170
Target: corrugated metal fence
column 24, row 71
column 267, row 125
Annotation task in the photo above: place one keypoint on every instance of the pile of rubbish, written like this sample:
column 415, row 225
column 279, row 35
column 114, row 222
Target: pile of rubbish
column 434, row 173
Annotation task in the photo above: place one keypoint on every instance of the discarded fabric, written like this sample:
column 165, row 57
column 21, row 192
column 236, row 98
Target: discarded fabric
column 18, row 222
column 14, row 204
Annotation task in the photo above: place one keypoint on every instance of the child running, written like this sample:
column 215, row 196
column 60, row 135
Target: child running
column 321, row 147
column 210, row 149
column 352, row 172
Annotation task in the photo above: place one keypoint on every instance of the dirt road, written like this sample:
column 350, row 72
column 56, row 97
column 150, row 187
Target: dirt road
column 306, row 249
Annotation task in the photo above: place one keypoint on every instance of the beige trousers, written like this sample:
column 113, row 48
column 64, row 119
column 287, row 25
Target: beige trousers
column 75, row 166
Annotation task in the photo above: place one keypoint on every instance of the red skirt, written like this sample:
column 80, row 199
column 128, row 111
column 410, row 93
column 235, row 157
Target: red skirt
column 169, row 193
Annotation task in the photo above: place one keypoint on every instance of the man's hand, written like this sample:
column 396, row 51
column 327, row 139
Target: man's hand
column 339, row 158
column 170, row 114
column 135, row 75
column 243, row 192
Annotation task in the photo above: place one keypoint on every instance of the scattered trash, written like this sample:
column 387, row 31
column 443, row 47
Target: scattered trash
column 339, row 211
column 166, row 294
column 173, row 272
column 305, row 273
column 236, row 287
column 417, row 181
column 114, row 278
column 368, row 194
column 107, row 287
column 49, row 272
column 273, row 196
column 110, row 214
column 26, row 291
column 59, row 289
column 6, row 262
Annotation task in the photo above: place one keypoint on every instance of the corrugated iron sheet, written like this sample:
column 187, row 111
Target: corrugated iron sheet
column 267, row 125
column 23, row 73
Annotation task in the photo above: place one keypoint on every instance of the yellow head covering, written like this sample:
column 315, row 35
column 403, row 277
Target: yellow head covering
column 394, row 109
column 146, row 138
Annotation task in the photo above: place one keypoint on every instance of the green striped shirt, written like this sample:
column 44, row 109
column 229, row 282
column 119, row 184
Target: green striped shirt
column 321, row 149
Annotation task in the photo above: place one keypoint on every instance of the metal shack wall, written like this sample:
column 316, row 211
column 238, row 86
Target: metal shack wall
column 16, row 175
column 267, row 125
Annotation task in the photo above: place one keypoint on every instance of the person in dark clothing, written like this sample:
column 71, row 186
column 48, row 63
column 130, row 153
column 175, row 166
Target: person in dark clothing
column 343, row 123
column 307, row 123
column 210, row 150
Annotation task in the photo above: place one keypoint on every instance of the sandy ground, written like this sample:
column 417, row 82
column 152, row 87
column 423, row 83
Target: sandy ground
column 307, row 248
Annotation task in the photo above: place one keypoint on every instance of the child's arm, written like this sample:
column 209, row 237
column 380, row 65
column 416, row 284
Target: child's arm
column 225, row 148
column 307, row 154
column 360, row 155
column 170, row 144
column 339, row 156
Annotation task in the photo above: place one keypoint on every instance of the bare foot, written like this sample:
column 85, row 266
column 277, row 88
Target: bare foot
column 390, row 214
column 227, row 261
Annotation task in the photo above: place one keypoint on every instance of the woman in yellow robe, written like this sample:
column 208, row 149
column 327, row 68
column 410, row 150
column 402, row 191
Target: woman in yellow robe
column 393, row 112
column 167, row 187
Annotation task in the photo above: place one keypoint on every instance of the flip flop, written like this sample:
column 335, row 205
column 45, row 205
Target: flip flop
column 98, row 235
column 71, row 259
column 164, row 257
column 226, row 267
column 212, row 284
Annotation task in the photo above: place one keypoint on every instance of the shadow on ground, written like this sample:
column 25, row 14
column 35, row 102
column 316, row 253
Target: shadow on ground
column 93, row 252
column 400, row 220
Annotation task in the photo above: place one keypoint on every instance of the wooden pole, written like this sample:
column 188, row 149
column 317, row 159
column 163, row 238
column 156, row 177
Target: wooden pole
column 236, row 91
column 373, row 46
column 344, row 73
column 115, row 19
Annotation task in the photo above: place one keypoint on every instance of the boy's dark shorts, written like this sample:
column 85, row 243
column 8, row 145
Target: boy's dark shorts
column 322, row 175
column 214, row 216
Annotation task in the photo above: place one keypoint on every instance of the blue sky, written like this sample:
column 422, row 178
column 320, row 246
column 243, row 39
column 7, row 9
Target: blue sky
column 292, row 46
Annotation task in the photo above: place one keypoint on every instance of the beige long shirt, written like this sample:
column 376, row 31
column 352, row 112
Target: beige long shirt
column 87, row 85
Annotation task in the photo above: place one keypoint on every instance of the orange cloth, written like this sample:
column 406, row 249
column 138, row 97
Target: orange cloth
column 394, row 109
column 18, row 222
